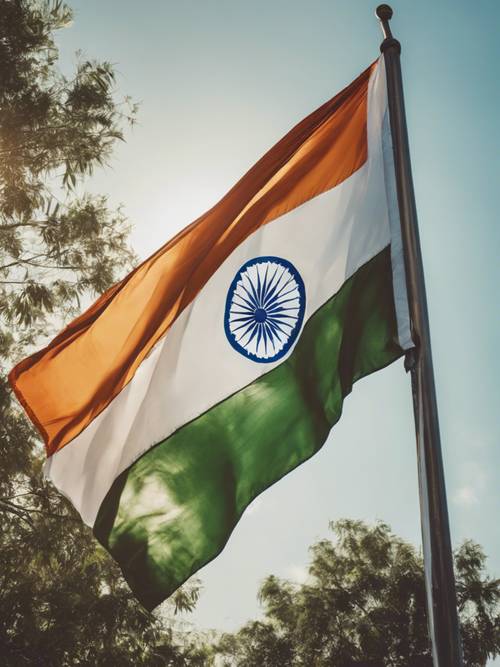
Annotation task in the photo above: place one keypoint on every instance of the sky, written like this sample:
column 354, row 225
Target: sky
column 219, row 82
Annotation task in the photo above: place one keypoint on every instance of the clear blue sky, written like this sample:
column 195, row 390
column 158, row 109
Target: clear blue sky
column 219, row 82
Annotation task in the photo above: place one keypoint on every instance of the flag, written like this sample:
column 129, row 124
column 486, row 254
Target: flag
column 221, row 362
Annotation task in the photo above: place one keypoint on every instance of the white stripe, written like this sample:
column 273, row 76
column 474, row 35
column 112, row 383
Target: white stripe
column 193, row 367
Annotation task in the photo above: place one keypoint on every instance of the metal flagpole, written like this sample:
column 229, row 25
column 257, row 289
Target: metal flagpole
column 438, row 561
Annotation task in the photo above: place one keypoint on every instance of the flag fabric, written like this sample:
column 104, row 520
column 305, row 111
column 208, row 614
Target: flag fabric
column 221, row 362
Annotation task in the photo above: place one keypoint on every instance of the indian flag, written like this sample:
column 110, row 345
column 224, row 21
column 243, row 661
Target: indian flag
column 221, row 363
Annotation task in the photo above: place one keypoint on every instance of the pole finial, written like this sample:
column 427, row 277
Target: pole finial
column 384, row 14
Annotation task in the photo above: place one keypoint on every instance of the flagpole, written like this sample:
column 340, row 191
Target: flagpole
column 438, row 559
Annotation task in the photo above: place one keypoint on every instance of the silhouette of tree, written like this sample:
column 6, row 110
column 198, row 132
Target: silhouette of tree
column 364, row 604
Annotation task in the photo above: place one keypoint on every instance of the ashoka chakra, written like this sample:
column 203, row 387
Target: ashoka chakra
column 265, row 308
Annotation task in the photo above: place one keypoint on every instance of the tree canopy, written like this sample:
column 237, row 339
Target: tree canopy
column 364, row 604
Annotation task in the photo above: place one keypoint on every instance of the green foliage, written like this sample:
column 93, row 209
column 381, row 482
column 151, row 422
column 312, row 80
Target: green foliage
column 55, row 245
column 364, row 604
column 61, row 603
column 479, row 605
column 62, row 599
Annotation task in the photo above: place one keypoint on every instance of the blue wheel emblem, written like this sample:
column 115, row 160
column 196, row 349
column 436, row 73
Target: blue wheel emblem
column 265, row 308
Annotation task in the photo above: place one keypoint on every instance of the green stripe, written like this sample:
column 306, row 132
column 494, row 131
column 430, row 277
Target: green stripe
column 174, row 509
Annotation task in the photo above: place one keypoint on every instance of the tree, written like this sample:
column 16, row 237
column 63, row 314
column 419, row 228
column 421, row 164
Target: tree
column 62, row 599
column 364, row 604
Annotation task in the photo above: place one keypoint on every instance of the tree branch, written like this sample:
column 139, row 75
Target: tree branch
column 19, row 512
column 23, row 224
column 17, row 262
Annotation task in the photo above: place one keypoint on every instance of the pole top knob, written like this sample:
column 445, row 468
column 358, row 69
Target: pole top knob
column 384, row 12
